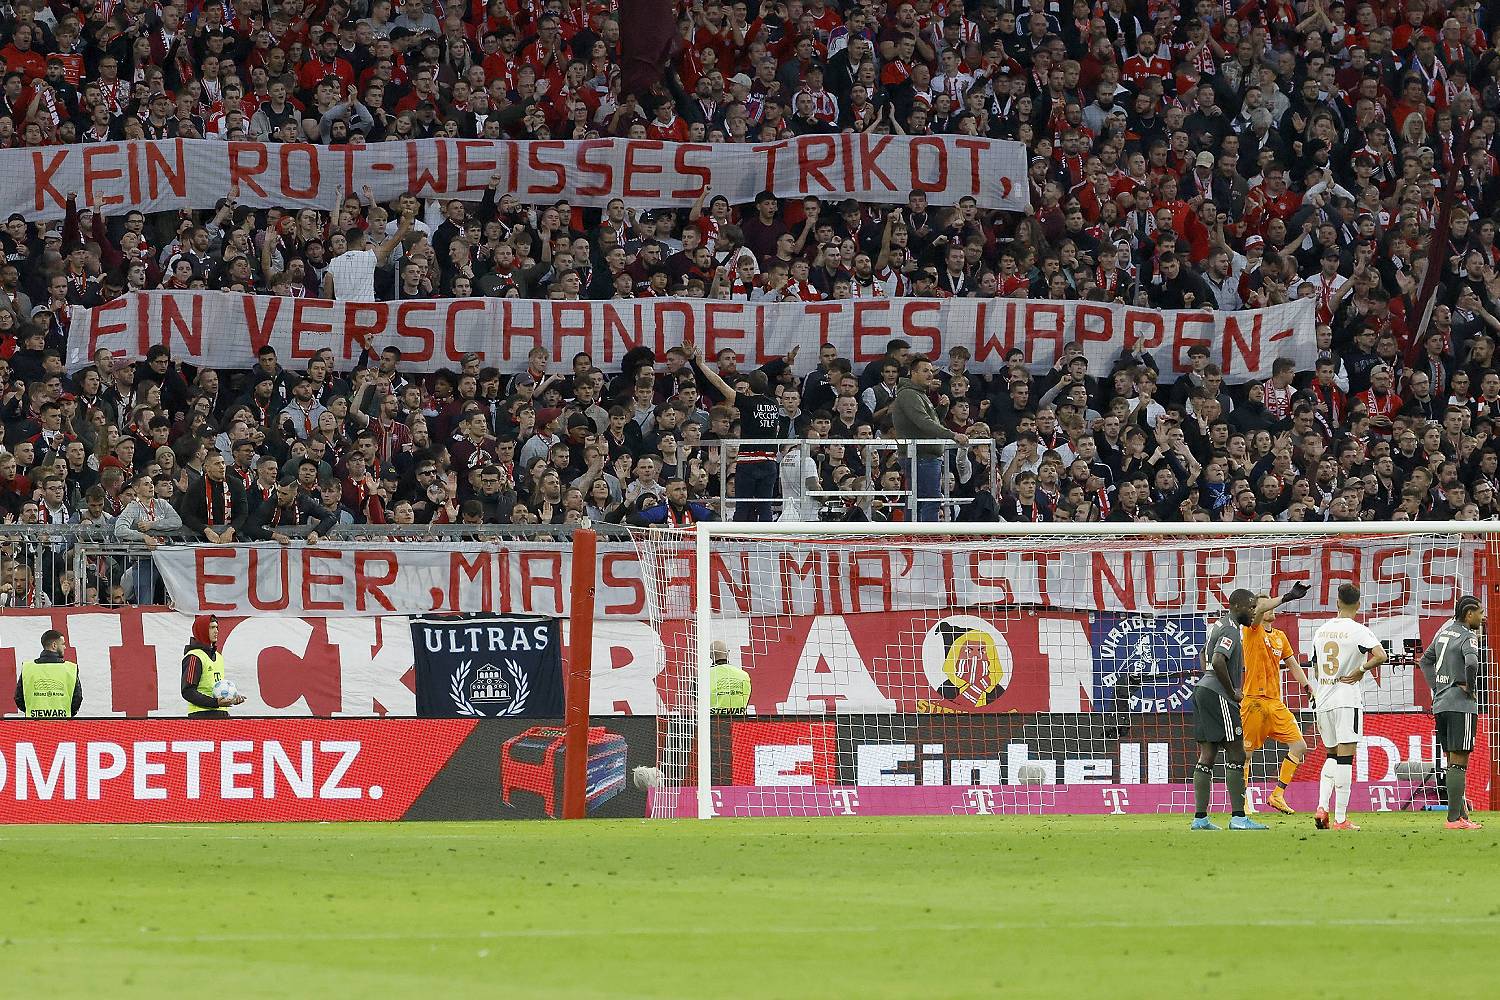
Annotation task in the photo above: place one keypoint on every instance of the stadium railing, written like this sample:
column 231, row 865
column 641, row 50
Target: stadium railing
column 870, row 449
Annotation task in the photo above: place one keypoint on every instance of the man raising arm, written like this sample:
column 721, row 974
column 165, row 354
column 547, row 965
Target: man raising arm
column 1264, row 711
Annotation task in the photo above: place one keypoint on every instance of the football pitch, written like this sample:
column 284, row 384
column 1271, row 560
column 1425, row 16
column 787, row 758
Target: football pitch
column 961, row 907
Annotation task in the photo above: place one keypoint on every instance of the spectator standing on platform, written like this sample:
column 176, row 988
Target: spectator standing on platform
column 755, row 467
column 914, row 417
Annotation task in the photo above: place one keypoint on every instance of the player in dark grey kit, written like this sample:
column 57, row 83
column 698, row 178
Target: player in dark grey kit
column 1451, row 666
column 1216, row 715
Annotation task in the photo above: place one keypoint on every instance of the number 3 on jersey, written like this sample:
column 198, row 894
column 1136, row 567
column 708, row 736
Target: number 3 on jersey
column 1330, row 662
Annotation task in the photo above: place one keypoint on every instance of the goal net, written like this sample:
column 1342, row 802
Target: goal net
column 908, row 669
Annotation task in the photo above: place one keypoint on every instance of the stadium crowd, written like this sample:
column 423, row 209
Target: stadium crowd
column 1220, row 155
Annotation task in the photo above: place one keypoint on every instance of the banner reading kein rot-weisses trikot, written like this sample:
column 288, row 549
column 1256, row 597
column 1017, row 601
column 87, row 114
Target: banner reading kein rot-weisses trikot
column 161, row 175
column 225, row 330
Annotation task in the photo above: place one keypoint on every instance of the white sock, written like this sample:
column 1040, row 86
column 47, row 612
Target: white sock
column 1343, row 777
column 1325, row 784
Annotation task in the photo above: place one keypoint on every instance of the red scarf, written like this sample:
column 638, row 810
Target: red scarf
column 296, row 514
column 208, row 500
column 1108, row 281
column 307, row 423
column 361, row 494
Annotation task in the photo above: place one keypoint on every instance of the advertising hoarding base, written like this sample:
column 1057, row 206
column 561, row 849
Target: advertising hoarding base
column 1003, row 800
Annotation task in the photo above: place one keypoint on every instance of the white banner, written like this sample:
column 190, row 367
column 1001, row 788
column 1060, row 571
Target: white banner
column 1156, row 576
column 225, row 330
column 170, row 174
column 130, row 663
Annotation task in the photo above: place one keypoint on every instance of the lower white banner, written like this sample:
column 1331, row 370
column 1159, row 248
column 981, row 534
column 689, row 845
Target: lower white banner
column 130, row 663
column 878, row 663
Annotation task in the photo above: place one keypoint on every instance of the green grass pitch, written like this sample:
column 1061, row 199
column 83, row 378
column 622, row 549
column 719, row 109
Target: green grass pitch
column 860, row 908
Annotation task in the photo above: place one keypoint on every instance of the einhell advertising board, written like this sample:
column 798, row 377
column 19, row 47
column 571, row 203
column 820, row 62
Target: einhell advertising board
column 921, row 764
column 268, row 770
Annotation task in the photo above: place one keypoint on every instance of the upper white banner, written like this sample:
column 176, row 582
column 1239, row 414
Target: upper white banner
column 225, row 330
column 170, row 174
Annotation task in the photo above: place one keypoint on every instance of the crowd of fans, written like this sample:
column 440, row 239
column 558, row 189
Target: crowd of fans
column 1219, row 155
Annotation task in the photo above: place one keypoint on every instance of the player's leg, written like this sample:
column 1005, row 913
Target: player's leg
column 1203, row 785
column 1343, row 774
column 1234, row 776
column 1284, row 730
column 1253, row 716
column 1458, row 779
column 1250, row 809
column 1456, row 735
column 1211, row 733
column 1328, row 735
column 1234, row 780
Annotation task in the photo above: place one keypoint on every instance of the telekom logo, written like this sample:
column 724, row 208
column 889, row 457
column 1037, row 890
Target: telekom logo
column 1382, row 797
column 845, row 800
column 1117, row 799
column 980, row 800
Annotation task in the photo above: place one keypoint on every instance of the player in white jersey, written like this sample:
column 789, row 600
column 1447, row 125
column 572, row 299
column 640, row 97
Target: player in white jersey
column 1344, row 651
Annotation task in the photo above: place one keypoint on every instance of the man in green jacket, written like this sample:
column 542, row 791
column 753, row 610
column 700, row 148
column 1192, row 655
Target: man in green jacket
column 47, row 687
column 914, row 416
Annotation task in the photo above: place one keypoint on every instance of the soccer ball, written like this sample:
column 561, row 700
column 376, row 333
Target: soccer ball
column 647, row 777
column 225, row 689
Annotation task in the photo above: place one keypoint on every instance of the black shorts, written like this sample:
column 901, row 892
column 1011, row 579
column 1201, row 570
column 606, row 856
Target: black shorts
column 1216, row 719
column 1455, row 731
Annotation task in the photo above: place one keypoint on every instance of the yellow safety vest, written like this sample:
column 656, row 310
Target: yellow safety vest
column 48, row 689
column 211, row 674
column 728, row 689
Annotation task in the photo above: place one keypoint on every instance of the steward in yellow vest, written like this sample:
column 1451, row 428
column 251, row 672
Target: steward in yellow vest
column 728, row 685
column 47, row 687
column 202, row 668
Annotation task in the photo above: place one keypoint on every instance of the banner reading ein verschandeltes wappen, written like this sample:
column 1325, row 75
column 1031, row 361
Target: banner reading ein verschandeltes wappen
column 224, row 330
column 487, row 666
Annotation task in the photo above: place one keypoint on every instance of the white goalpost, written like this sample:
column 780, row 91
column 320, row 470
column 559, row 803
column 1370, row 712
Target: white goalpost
column 904, row 668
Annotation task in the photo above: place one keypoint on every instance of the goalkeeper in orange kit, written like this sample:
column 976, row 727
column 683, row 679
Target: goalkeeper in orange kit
column 1263, row 712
